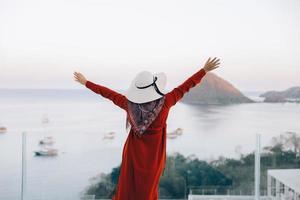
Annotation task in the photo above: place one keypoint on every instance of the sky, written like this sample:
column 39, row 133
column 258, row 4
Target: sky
column 109, row 41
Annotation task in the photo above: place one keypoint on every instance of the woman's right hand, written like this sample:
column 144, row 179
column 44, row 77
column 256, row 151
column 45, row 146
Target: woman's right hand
column 211, row 64
column 80, row 78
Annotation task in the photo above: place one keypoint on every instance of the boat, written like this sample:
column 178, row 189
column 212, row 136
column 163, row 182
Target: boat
column 110, row 135
column 47, row 140
column 3, row 129
column 179, row 131
column 46, row 152
column 45, row 119
column 175, row 133
column 171, row 136
column 46, row 148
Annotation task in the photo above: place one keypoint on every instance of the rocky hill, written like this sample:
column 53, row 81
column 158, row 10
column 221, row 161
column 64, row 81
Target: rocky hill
column 290, row 95
column 214, row 90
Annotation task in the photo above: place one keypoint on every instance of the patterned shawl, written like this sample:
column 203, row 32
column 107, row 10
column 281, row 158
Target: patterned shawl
column 141, row 115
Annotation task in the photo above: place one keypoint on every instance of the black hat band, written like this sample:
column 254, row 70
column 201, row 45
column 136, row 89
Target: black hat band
column 155, row 86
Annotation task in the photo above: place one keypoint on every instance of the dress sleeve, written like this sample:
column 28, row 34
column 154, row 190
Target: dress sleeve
column 177, row 93
column 117, row 98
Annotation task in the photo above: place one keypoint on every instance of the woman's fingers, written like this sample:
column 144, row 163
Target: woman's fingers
column 212, row 63
column 217, row 61
column 76, row 79
column 77, row 76
column 215, row 67
column 213, row 59
column 208, row 60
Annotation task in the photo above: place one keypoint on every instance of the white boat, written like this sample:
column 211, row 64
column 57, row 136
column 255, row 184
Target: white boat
column 45, row 119
column 110, row 135
column 46, row 148
column 46, row 152
column 175, row 133
column 47, row 140
column 3, row 129
column 171, row 136
column 179, row 131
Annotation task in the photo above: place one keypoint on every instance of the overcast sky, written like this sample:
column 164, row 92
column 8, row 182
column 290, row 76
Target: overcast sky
column 43, row 42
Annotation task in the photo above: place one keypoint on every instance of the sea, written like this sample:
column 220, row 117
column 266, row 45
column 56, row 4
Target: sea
column 80, row 120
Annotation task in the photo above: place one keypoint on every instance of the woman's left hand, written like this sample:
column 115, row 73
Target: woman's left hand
column 80, row 78
column 211, row 64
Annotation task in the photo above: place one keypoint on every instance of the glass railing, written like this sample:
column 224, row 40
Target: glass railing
column 73, row 151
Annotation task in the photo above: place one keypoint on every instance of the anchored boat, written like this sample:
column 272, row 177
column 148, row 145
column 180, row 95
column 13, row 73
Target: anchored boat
column 175, row 133
column 47, row 140
column 110, row 135
column 46, row 152
column 3, row 129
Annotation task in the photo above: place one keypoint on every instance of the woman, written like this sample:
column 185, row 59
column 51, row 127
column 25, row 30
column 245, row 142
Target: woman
column 147, row 107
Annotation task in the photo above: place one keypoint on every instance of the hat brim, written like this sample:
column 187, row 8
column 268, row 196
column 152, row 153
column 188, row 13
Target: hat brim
column 137, row 95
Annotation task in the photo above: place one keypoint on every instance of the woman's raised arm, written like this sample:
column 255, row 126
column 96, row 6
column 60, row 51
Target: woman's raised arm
column 117, row 98
column 178, row 92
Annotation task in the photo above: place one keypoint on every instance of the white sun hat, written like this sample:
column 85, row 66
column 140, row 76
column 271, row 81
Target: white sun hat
column 146, row 87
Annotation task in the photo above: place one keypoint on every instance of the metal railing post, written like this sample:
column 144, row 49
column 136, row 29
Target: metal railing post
column 257, row 168
column 23, row 183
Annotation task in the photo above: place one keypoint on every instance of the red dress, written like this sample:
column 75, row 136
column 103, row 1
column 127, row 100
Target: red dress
column 143, row 159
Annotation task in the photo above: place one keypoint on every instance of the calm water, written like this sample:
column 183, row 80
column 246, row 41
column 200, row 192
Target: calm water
column 79, row 119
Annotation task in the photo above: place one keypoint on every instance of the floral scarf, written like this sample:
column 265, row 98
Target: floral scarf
column 141, row 115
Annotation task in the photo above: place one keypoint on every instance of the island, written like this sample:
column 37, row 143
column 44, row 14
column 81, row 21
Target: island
column 292, row 94
column 215, row 90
